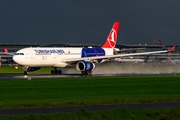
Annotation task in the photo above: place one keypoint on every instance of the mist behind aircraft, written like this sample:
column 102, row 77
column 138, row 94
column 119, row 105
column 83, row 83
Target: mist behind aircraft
column 130, row 68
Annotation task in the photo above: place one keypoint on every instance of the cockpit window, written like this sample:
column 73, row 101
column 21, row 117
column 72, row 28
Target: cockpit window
column 19, row 53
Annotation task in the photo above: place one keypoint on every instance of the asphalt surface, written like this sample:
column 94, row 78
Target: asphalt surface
column 31, row 76
column 89, row 108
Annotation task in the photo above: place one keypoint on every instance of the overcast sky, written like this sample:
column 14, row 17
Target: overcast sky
column 81, row 21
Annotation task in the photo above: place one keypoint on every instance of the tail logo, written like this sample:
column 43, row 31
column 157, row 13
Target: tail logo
column 112, row 38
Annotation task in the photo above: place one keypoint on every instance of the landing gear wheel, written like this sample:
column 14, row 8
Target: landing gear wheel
column 90, row 72
column 52, row 72
column 85, row 73
column 56, row 72
column 59, row 71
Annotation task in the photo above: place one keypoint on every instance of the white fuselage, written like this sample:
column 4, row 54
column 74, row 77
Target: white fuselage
column 49, row 56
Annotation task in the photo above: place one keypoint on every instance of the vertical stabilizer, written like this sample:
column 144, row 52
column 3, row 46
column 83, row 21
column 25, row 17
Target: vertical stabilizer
column 112, row 38
column 5, row 50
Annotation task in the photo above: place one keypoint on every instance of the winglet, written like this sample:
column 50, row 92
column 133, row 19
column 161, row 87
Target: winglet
column 172, row 48
column 5, row 50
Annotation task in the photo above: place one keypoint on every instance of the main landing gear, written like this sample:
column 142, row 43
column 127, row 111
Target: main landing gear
column 85, row 73
column 56, row 72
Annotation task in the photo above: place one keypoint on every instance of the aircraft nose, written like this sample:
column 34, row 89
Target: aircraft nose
column 15, row 58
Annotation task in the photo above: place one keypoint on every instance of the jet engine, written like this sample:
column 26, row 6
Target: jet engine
column 85, row 66
column 33, row 69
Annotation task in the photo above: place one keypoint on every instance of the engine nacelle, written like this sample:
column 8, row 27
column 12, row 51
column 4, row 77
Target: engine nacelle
column 33, row 69
column 85, row 66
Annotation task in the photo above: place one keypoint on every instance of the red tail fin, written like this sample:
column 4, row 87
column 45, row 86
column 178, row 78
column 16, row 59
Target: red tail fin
column 112, row 38
column 5, row 50
column 172, row 48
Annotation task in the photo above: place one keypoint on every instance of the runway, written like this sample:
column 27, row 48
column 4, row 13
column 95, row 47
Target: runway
column 75, row 75
column 89, row 108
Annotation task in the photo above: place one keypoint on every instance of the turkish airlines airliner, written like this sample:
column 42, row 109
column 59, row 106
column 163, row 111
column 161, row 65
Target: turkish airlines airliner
column 84, row 59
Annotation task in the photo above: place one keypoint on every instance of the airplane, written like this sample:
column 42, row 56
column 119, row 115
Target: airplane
column 5, row 51
column 8, row 56
column 82, row 58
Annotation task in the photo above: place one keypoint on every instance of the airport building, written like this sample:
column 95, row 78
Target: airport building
column 168, row 57
column 13, row 47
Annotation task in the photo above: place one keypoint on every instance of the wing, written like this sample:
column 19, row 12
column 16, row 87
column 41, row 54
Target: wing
column 5, row 53
column 73, row 60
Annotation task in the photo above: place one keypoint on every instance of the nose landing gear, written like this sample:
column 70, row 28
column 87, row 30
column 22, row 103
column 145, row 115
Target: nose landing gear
column 25, row 73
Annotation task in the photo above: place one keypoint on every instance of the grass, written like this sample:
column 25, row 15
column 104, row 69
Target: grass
column 23, row 93
column 118, row 114
column 13, row 70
